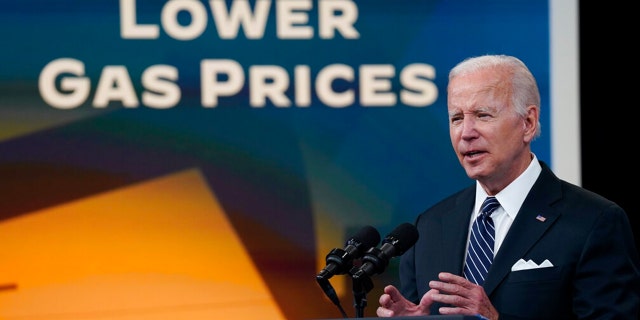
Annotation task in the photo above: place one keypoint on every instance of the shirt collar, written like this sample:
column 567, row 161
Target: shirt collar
column 512, row 197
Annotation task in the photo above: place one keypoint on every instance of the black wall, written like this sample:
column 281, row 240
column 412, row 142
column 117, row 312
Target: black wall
column 609, row 90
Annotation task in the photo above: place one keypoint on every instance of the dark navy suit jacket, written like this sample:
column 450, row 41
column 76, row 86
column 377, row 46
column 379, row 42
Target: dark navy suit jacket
column 587, row 238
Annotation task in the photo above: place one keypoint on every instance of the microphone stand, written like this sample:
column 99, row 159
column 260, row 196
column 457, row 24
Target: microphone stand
column 361, row 285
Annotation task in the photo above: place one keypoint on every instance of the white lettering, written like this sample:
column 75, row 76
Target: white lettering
column 129, row 29
column 289, row 17
column 338, row 15
column 375, row 85
column 419, row 90
column 302, row 85
column 228, row 21
column 162, row 94
column 77, row 88
column 115, row 85
column 213, row 84
column 172, row 26
column 268, row 82
column 324, row 83
column 292, row 19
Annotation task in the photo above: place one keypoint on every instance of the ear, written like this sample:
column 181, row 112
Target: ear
column 530, row 122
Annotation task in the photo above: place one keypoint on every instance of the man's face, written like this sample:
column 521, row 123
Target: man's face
column 490, row 140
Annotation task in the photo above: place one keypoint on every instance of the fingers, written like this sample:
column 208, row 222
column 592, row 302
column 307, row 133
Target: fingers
column 393, row 292
column 463, row 296
column 454, row 279
column 387, row 300
column 389, row 296
column 427, row 298
column 393, row 303
column 452, row 284
column 383, row 312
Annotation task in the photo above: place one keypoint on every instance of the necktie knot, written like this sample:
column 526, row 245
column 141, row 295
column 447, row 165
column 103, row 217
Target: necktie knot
column 489, row 205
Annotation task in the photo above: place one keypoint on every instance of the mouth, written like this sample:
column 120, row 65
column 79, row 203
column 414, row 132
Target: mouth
column 472, row 154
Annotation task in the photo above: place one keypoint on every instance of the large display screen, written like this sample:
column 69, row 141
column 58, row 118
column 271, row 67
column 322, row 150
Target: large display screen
column 193, row 159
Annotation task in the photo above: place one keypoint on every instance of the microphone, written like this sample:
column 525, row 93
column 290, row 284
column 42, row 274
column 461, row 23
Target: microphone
column 340, row 261
column 396, row 243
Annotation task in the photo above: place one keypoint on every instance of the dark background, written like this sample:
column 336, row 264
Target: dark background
column 609, row 107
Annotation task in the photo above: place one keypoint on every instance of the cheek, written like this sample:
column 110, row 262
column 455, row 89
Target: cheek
column 454, row 135
column 512, row 135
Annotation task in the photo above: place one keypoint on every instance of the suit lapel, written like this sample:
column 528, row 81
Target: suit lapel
column 527, row 228
column 455, row 227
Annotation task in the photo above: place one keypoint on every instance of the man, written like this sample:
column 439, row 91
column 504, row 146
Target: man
column 559, row 251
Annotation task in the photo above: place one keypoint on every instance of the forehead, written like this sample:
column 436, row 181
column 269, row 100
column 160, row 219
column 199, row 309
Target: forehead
column 477, row 90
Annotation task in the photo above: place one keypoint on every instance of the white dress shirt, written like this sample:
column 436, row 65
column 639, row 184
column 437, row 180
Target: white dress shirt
column 510, row 198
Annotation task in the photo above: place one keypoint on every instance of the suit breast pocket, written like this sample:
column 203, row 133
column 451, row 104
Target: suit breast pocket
column 542, row 293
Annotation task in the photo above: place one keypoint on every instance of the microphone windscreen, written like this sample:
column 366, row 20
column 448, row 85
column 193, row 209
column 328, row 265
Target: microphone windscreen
column 403, row 237
column 366, row 238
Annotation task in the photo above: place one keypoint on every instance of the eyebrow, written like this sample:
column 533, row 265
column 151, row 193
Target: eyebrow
column 474, row 111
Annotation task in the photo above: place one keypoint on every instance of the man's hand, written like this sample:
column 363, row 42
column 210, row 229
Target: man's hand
column 465, row 297
column 393, row 304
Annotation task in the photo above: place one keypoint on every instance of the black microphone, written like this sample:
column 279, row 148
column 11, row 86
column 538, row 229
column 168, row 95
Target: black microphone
column 396, row 243
column 340, row 261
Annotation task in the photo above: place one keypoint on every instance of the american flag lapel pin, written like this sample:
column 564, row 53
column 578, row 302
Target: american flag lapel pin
column 541, row 218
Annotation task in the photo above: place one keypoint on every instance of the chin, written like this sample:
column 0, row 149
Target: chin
column 473, row 173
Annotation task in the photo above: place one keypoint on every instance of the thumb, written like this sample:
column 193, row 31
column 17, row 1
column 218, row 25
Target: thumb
column 427, row 300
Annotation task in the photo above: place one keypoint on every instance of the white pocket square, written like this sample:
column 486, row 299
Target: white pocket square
column 526, row 265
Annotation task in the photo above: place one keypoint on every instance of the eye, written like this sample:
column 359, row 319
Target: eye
column 484, row 115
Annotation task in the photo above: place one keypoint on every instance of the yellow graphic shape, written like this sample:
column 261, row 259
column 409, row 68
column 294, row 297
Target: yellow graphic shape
column 158, row 250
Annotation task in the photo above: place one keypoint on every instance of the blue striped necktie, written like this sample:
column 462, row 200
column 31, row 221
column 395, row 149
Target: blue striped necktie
column 480, row 252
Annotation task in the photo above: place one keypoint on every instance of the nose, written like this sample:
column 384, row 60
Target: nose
column 468, row 128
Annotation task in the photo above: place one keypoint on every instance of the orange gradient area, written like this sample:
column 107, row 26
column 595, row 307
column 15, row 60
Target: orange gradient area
column 158, row 250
